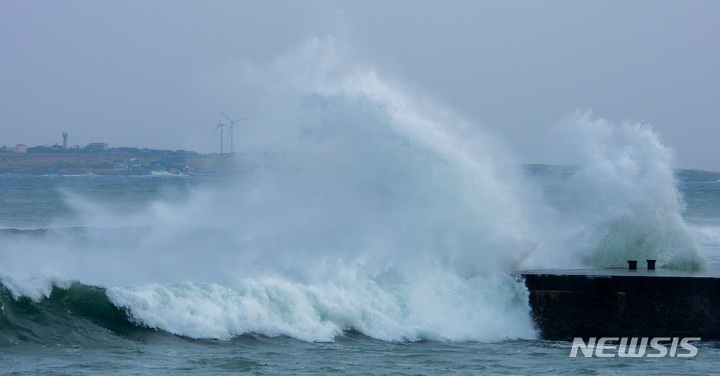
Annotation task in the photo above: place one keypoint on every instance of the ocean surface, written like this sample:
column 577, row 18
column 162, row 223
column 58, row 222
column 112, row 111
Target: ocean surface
column 118, row 275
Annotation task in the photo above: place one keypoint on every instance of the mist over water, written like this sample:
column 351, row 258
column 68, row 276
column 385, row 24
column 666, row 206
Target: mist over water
column 366, row 208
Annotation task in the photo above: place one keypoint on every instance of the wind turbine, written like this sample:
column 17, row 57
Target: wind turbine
column 220, row 125
column 230, row 129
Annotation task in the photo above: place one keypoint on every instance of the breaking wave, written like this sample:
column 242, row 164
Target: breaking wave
column 361, row 207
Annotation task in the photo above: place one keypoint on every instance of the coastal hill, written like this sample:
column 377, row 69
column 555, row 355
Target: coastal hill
column 99, row 159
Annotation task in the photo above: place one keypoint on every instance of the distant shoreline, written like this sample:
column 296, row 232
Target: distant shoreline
column 134, row 161
column 682, row 174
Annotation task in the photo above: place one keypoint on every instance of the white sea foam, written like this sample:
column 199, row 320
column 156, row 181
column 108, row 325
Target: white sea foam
column 444, row 307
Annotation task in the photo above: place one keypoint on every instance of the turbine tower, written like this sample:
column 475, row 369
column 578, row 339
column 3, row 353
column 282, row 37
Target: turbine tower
column 230, row 129
column 220, row 125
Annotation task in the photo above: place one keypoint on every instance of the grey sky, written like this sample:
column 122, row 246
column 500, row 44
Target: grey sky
column 134, row 73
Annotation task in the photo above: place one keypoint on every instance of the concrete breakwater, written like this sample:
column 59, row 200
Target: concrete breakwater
column 624, row 303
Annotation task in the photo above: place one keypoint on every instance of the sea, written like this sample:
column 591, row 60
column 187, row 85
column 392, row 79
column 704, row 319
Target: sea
column 363, row 229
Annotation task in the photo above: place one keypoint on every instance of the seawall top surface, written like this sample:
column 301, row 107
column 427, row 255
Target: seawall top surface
column 640, row 272
column 619, row 280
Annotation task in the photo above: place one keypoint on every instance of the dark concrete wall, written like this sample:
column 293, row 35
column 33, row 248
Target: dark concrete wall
column 641, row 305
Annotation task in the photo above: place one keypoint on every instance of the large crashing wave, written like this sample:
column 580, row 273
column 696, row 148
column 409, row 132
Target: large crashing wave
column 370, row 210
column 366, row 209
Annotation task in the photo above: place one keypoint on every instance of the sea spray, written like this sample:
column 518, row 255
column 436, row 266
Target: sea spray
column 371, row 210
column 619, row 201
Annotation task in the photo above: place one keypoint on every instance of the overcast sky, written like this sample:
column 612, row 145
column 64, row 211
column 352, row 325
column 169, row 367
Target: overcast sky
column 136, row 73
